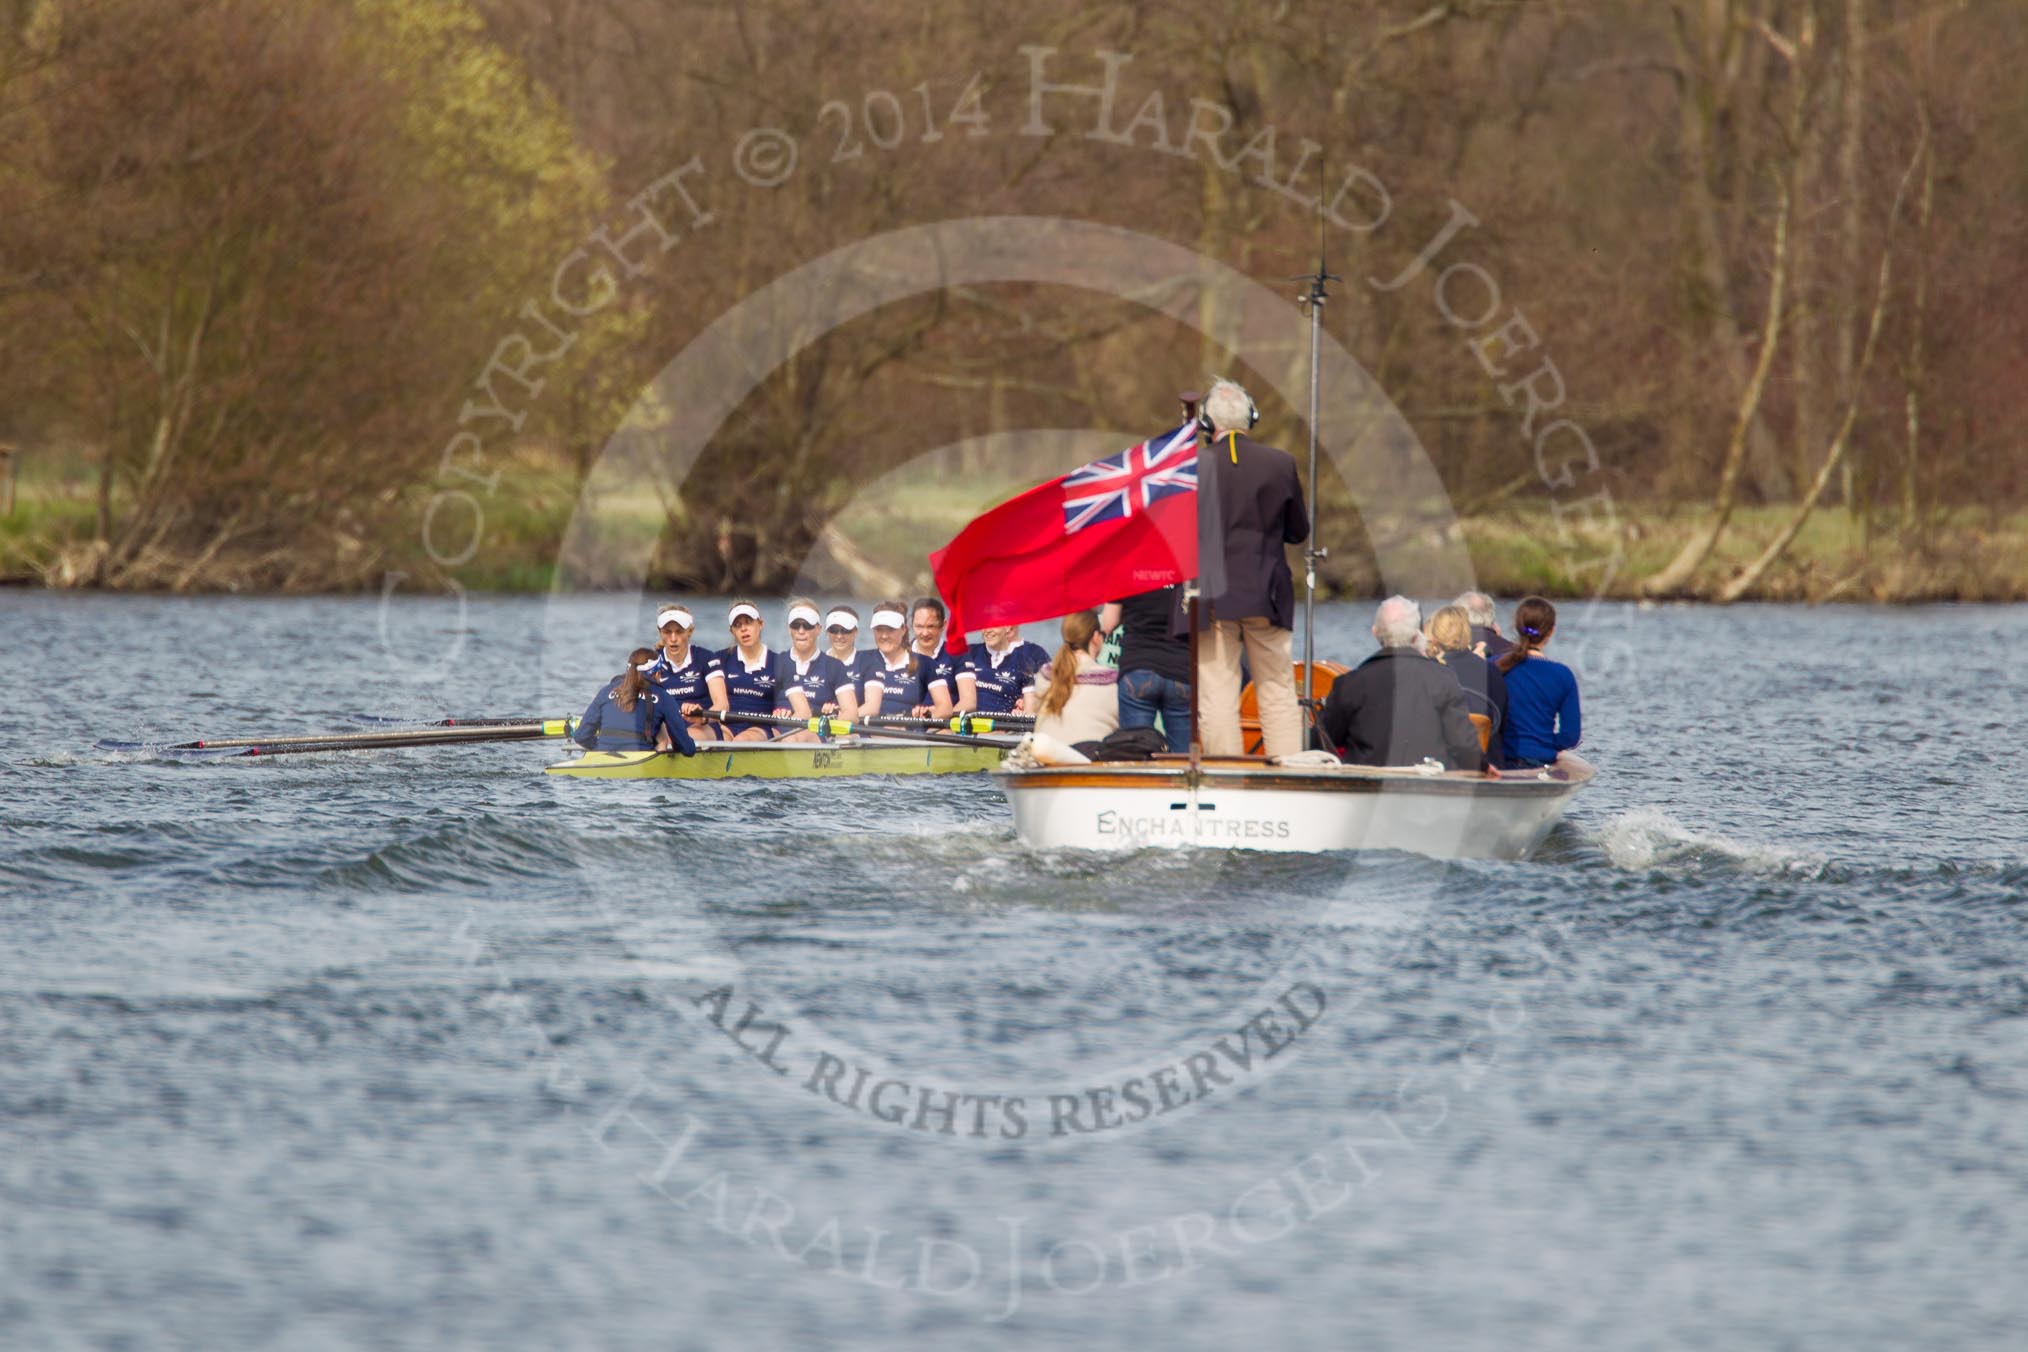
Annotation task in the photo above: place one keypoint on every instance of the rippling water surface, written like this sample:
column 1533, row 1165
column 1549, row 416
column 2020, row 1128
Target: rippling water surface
column 422, row 1049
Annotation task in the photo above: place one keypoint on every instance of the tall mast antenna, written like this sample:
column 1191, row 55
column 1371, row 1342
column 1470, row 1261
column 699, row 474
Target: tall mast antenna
column 1313, row 553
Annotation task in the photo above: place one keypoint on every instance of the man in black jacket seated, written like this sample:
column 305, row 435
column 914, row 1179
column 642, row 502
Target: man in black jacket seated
column 1398, row 707
column 1485, row 625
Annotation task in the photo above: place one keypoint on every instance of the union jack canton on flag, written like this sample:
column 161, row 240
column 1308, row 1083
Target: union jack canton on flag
column 1110, row 489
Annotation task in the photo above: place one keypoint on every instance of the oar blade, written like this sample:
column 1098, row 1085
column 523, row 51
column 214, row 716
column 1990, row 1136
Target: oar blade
column 114, row 744
column 529, row 730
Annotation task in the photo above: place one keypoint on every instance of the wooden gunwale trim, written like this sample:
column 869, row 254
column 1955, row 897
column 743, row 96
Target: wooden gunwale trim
column 1252, row 779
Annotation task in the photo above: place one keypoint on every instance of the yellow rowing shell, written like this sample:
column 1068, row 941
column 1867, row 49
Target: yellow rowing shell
column 785, row 760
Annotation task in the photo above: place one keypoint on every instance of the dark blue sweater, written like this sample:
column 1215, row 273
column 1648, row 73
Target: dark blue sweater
column 607, row 727
column 1542, row 712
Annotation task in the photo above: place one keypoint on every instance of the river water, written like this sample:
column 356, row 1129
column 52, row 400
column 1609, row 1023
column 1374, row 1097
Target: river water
column 424, row 1049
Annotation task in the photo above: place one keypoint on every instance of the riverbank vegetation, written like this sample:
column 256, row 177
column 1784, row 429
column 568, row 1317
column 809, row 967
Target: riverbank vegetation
column 1712, row 298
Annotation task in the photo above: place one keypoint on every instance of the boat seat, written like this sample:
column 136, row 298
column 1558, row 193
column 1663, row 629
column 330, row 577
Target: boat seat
column 1249, row 707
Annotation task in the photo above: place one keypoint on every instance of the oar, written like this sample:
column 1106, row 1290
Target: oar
column 966, row 722
column 395, row 740
column 826, row 726
column 382, row 721
column 331, row 741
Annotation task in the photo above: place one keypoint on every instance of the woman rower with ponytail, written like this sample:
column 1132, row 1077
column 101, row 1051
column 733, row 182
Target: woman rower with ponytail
column 1543, row 717
column 1079, row 702
column 629, row 715
column 892, row 676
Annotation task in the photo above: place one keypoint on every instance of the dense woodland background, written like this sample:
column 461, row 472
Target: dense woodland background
column 258, row 258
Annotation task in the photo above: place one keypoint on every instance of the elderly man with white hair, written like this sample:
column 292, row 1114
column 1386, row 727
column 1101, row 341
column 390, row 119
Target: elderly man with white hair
column 1485, row 624
column 1398, row 707
column 1261, row 513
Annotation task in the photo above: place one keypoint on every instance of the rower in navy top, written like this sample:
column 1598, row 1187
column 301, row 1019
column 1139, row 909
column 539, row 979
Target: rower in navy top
column 627, row 714
column 841, row 631
column 752, row 676
column 688, row 674
column 813, row 682
column 891, row 677
column 940, row 681
column 1543, row 717
column 1001, row 671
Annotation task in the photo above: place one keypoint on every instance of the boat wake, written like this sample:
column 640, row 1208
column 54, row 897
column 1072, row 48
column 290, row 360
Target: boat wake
column 1647, row 838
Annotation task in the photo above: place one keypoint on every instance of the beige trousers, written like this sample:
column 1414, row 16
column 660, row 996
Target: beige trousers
column 1274, row 685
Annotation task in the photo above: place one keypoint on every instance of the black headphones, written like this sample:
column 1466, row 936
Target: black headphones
column 1252, row 411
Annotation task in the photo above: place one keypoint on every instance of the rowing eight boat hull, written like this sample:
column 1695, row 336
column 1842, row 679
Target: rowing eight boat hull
column 784, row 760
column 1287, row 809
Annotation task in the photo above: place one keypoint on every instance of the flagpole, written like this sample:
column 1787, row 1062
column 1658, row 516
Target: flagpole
column 1312, row 551
column 1189, row 398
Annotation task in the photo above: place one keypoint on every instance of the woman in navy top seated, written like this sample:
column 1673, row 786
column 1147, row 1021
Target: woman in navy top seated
column 628, row 714
column 996, row 676
column 812, row 682
column 688, row 674
column 892, row 677
column 752, row 676
column 1543, row 719
column 841, row 633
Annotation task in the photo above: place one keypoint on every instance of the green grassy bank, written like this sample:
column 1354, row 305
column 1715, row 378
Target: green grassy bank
column 1961, row 555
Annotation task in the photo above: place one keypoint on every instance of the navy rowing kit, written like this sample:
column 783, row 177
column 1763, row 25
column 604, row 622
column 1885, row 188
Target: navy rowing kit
column 901, row 690
column 821, row 678
column 607, row 727
column 1003, row 677
column 939, row 669
column 755, row 689
column 689, row 683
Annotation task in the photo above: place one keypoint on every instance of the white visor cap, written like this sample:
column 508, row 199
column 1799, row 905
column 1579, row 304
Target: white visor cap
column 889, row 619
column 841, row 619
column 805, row 614
column 676, row 613
column 741, row 612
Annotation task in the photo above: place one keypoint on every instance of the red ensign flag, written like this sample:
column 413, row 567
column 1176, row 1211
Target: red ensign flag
column 1121, row 525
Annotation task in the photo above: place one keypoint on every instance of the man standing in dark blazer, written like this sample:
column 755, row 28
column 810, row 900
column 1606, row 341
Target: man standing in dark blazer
column 1259, row 500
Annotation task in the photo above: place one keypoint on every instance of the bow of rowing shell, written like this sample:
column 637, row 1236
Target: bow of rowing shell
column 1250, row 804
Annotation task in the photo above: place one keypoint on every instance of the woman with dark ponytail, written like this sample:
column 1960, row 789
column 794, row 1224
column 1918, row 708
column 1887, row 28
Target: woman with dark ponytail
column 629, row 715
column 1543, row 717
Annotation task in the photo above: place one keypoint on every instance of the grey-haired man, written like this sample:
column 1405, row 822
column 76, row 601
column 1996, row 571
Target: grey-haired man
column 1260, row 501
column 1485, row 625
